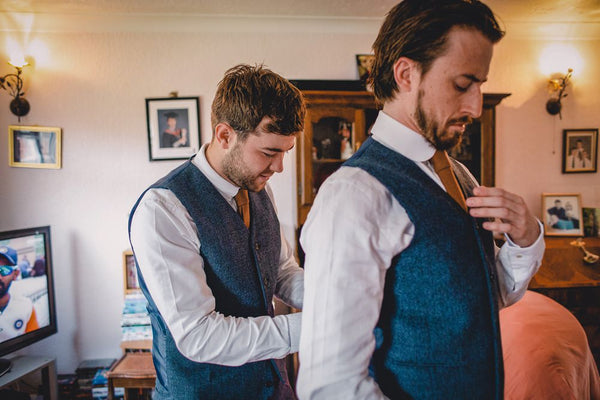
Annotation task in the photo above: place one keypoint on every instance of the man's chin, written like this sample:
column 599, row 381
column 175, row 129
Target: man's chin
column 257, row 186
column 448, row 141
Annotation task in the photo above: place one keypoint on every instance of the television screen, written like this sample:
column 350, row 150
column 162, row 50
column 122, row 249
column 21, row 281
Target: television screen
column 27, row 309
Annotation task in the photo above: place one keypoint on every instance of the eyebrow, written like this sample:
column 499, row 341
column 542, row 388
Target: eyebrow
column 278, row 150
column 474, row 78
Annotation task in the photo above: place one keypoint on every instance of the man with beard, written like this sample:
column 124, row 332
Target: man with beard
column 17, row 315
column 402, row 293
column 211, row 255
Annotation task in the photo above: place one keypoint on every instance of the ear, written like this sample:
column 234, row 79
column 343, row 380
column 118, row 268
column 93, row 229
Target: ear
column 224, row 135
column 405, row 72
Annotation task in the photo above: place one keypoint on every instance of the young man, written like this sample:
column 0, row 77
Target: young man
column 211, row 256
column 402, row 294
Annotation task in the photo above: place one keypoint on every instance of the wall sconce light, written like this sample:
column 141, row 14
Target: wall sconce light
column 554, row 106
column 13, row 84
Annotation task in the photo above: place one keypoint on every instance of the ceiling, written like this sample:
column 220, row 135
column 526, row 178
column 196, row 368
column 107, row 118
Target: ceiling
column 533, row 19
column 508, row 10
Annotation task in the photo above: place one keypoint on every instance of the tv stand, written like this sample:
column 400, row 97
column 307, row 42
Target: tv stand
column 5, row 366
column 25, row 365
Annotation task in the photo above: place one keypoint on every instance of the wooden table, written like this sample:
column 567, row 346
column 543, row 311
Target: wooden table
column 132, row 371
column 563, row 265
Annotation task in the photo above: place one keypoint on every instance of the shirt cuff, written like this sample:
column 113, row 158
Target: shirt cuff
column 532, row 246
column 294, row 326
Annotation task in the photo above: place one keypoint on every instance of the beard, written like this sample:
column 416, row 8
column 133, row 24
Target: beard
column 238, row 172
column 440, row 137
column 3, row 289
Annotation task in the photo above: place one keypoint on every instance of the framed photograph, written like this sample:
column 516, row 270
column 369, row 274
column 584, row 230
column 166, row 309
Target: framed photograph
column 34, row 146
column 364, row 64
column 173, row 128
column 591, row 222
column 130, row 277
column 562, row 214
column 580, row 150
column 333, row 139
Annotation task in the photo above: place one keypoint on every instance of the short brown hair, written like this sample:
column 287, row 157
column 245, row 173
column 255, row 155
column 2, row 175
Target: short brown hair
column 247, row 94
column 418, row 29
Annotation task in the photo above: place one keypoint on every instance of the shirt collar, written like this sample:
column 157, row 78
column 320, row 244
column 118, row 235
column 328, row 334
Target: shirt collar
column 400, row 138
column 227, row 189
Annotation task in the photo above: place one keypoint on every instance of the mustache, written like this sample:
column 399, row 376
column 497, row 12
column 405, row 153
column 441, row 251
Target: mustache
column 462, row 120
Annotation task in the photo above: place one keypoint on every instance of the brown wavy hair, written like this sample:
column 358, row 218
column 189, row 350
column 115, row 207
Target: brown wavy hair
column 247, row 94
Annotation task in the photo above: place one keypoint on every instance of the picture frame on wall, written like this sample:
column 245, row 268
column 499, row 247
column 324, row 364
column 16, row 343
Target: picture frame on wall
column 173, row 127
column 562, row 214
column 580, row 150
column 130, row 276
column 34, row 146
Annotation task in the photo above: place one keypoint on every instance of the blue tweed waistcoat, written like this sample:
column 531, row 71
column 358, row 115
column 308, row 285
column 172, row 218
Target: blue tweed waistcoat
column 241, row 271
column 438, row 334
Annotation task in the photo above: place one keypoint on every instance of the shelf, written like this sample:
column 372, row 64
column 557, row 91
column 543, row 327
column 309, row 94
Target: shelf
column 25, row 365
column 328, row 161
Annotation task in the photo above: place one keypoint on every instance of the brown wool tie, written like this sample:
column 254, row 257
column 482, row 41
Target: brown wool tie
column 243, row 205
column 441, row 165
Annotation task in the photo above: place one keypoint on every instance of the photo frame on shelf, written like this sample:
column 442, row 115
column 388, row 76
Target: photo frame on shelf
column 130, row 277
column 173, row 127
column 562, row 214
column 591, row 222
column 364, row 64
column 580, row 151
column 34, row 146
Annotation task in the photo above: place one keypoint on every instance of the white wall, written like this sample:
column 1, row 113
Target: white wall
column 91, row 78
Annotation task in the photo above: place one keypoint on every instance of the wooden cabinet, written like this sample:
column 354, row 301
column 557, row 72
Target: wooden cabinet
column 335, row 126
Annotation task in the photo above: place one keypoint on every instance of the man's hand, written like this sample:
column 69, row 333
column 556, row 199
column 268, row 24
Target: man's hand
column 511, row 214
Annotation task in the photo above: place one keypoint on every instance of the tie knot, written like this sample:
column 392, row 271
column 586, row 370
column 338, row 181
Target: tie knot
column 241, row 198
column 440, row 160
column 243, row 205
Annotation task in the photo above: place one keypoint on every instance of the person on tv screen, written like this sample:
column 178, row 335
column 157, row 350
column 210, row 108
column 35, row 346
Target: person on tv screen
column 17, row 315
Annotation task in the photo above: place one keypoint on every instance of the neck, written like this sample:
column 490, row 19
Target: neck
column 398, row 110
column 215, row 157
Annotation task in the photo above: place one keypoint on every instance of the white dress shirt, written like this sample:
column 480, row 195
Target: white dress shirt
column 165, row 240
column 354, row 229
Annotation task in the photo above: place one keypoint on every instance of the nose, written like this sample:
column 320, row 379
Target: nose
column 277, row 163
column 473, row 102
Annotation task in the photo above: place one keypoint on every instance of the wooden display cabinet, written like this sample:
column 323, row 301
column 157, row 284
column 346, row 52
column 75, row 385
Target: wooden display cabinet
column 331, row 116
